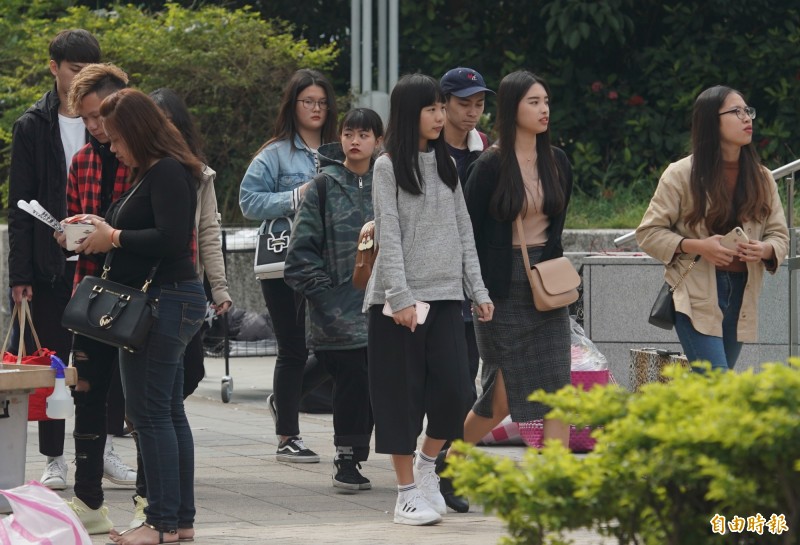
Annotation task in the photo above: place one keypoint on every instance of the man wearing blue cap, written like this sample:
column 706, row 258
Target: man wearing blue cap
column 465, row 93
column 465, row 97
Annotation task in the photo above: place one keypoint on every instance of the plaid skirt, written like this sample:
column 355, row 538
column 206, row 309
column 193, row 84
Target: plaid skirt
column 532, row 348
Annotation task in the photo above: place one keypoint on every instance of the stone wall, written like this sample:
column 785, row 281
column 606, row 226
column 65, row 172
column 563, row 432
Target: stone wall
column 619, row 289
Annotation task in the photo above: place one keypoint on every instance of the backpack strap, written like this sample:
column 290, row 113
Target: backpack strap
column 322, row 190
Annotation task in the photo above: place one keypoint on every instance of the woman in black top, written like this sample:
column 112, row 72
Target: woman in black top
column 152, row 225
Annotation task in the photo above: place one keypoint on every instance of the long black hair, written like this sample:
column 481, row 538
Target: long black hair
column 509, row 198
column 750, row 199
column 286, row 123
column 410, row 95
column 176, row 111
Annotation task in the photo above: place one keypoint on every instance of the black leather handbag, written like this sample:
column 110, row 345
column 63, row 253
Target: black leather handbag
column 663, row 312
column 271, row 248
column 110, row 312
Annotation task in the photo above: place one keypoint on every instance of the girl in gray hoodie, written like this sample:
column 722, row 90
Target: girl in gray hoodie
column 418, row 364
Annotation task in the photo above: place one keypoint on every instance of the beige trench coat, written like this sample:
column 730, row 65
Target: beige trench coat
column 662, row 229
column 209, row 244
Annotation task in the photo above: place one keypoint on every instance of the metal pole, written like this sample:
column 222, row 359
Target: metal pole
column 792, row 266
column 394, row 40
column 383, row 48
column 355, row 47
column 366, row 48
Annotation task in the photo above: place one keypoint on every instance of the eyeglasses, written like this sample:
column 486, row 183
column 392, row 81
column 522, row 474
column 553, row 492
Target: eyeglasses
column 742, row 113
column 308, row 103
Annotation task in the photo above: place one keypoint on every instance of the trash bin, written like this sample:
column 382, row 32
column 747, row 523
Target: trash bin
column 16, row 383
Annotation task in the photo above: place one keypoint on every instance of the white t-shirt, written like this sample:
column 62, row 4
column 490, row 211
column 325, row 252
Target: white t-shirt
column 73, row 136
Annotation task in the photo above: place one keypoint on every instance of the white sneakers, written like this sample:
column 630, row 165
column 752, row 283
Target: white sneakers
column 115, row 470
column 55, row 473
column 412, row 509
column 423, row 504
column 427, row 482
column 95, row 521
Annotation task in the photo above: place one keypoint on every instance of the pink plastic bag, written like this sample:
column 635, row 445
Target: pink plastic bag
column 40, row 517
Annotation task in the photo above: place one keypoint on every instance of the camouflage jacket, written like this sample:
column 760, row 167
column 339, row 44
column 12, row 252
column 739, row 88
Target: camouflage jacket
column 321, row 256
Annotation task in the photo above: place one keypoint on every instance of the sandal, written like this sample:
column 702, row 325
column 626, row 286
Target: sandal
column 161, row 534
column 185, row 539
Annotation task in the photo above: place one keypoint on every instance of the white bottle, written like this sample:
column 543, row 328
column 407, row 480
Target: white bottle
column 59, row 403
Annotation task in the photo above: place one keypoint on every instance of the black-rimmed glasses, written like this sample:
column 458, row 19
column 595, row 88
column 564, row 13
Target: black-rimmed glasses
column 742, row 113
column 308, row 103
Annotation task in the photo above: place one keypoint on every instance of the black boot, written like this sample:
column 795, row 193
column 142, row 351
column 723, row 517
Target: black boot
column 459, row 504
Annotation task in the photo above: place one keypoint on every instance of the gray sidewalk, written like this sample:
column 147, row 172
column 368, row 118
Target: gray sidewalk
column 243, row 495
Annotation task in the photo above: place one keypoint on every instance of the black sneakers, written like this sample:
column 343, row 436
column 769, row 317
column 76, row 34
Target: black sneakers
column 459, row 504
column 347, row 475
column 293, row 450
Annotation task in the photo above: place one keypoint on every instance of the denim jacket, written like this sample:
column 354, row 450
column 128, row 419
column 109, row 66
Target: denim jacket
column 267, row 190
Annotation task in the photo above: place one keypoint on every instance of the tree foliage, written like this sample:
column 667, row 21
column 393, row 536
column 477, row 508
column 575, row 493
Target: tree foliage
column 667, row 460
column 230, row 67
column 623, row 73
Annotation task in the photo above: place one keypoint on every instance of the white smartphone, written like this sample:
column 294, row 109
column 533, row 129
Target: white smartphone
column 422, row 311
column 733, row 238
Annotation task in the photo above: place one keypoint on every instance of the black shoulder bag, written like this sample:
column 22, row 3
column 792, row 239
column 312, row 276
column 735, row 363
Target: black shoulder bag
column 111, row 312
column 663, row 312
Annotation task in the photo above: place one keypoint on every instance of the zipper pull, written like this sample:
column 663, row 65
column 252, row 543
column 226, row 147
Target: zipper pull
column 360, row 183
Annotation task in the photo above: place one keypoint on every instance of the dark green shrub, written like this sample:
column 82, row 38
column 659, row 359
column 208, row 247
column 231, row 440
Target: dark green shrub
column 667, row 461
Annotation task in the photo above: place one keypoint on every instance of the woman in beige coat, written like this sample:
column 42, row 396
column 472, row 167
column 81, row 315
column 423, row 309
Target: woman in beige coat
column 698, row 200
column 209, row 258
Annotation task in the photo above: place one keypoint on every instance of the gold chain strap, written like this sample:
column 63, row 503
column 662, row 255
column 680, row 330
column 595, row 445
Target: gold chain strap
column 680, row 280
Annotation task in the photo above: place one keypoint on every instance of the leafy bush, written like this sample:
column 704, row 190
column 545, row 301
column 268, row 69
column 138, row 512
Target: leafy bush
column 667, row 461
column 230, row 66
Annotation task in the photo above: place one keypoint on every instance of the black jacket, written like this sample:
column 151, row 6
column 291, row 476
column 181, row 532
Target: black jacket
column 38, row 171
column 492, row 237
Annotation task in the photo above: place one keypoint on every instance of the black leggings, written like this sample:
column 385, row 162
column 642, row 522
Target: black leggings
column 288, row 319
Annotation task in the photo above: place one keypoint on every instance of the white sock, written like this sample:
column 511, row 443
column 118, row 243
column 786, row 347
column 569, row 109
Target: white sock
column 403, row 491
column 109, row 444
column 422, row 461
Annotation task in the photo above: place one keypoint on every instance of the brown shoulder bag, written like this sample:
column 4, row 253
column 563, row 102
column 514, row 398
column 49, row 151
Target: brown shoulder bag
column 366, row 254
column 554, row 283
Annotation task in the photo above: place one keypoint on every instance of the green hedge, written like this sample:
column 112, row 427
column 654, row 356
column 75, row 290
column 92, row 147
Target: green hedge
column 668, row 461
column 230, row 66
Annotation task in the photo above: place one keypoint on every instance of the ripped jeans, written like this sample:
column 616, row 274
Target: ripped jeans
column 96, row 363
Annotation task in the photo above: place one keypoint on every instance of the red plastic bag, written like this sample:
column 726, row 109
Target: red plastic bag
column 40, row 518
column 37, row 401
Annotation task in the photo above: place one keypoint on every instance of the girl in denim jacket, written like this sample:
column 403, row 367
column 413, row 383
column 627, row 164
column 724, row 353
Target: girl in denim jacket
column 272, row 188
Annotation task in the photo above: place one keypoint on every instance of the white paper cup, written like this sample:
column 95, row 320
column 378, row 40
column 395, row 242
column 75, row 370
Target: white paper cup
column 76, row 233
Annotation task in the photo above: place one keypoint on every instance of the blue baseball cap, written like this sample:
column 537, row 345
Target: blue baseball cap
column 463, row 82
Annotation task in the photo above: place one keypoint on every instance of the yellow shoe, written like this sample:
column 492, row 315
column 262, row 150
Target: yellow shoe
column 95, row 521
column 138, row 511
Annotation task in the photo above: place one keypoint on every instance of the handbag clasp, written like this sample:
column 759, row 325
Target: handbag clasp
column 278, row 244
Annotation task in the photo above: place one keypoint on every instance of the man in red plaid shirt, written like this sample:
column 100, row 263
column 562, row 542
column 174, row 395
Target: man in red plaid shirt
column 96, row 179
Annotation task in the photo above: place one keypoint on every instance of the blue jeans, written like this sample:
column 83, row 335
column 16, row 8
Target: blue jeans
column 723, row 351
column 153, row 383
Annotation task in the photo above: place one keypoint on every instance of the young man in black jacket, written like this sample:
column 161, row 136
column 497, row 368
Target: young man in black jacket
column 44, row 139
column 465, row 92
